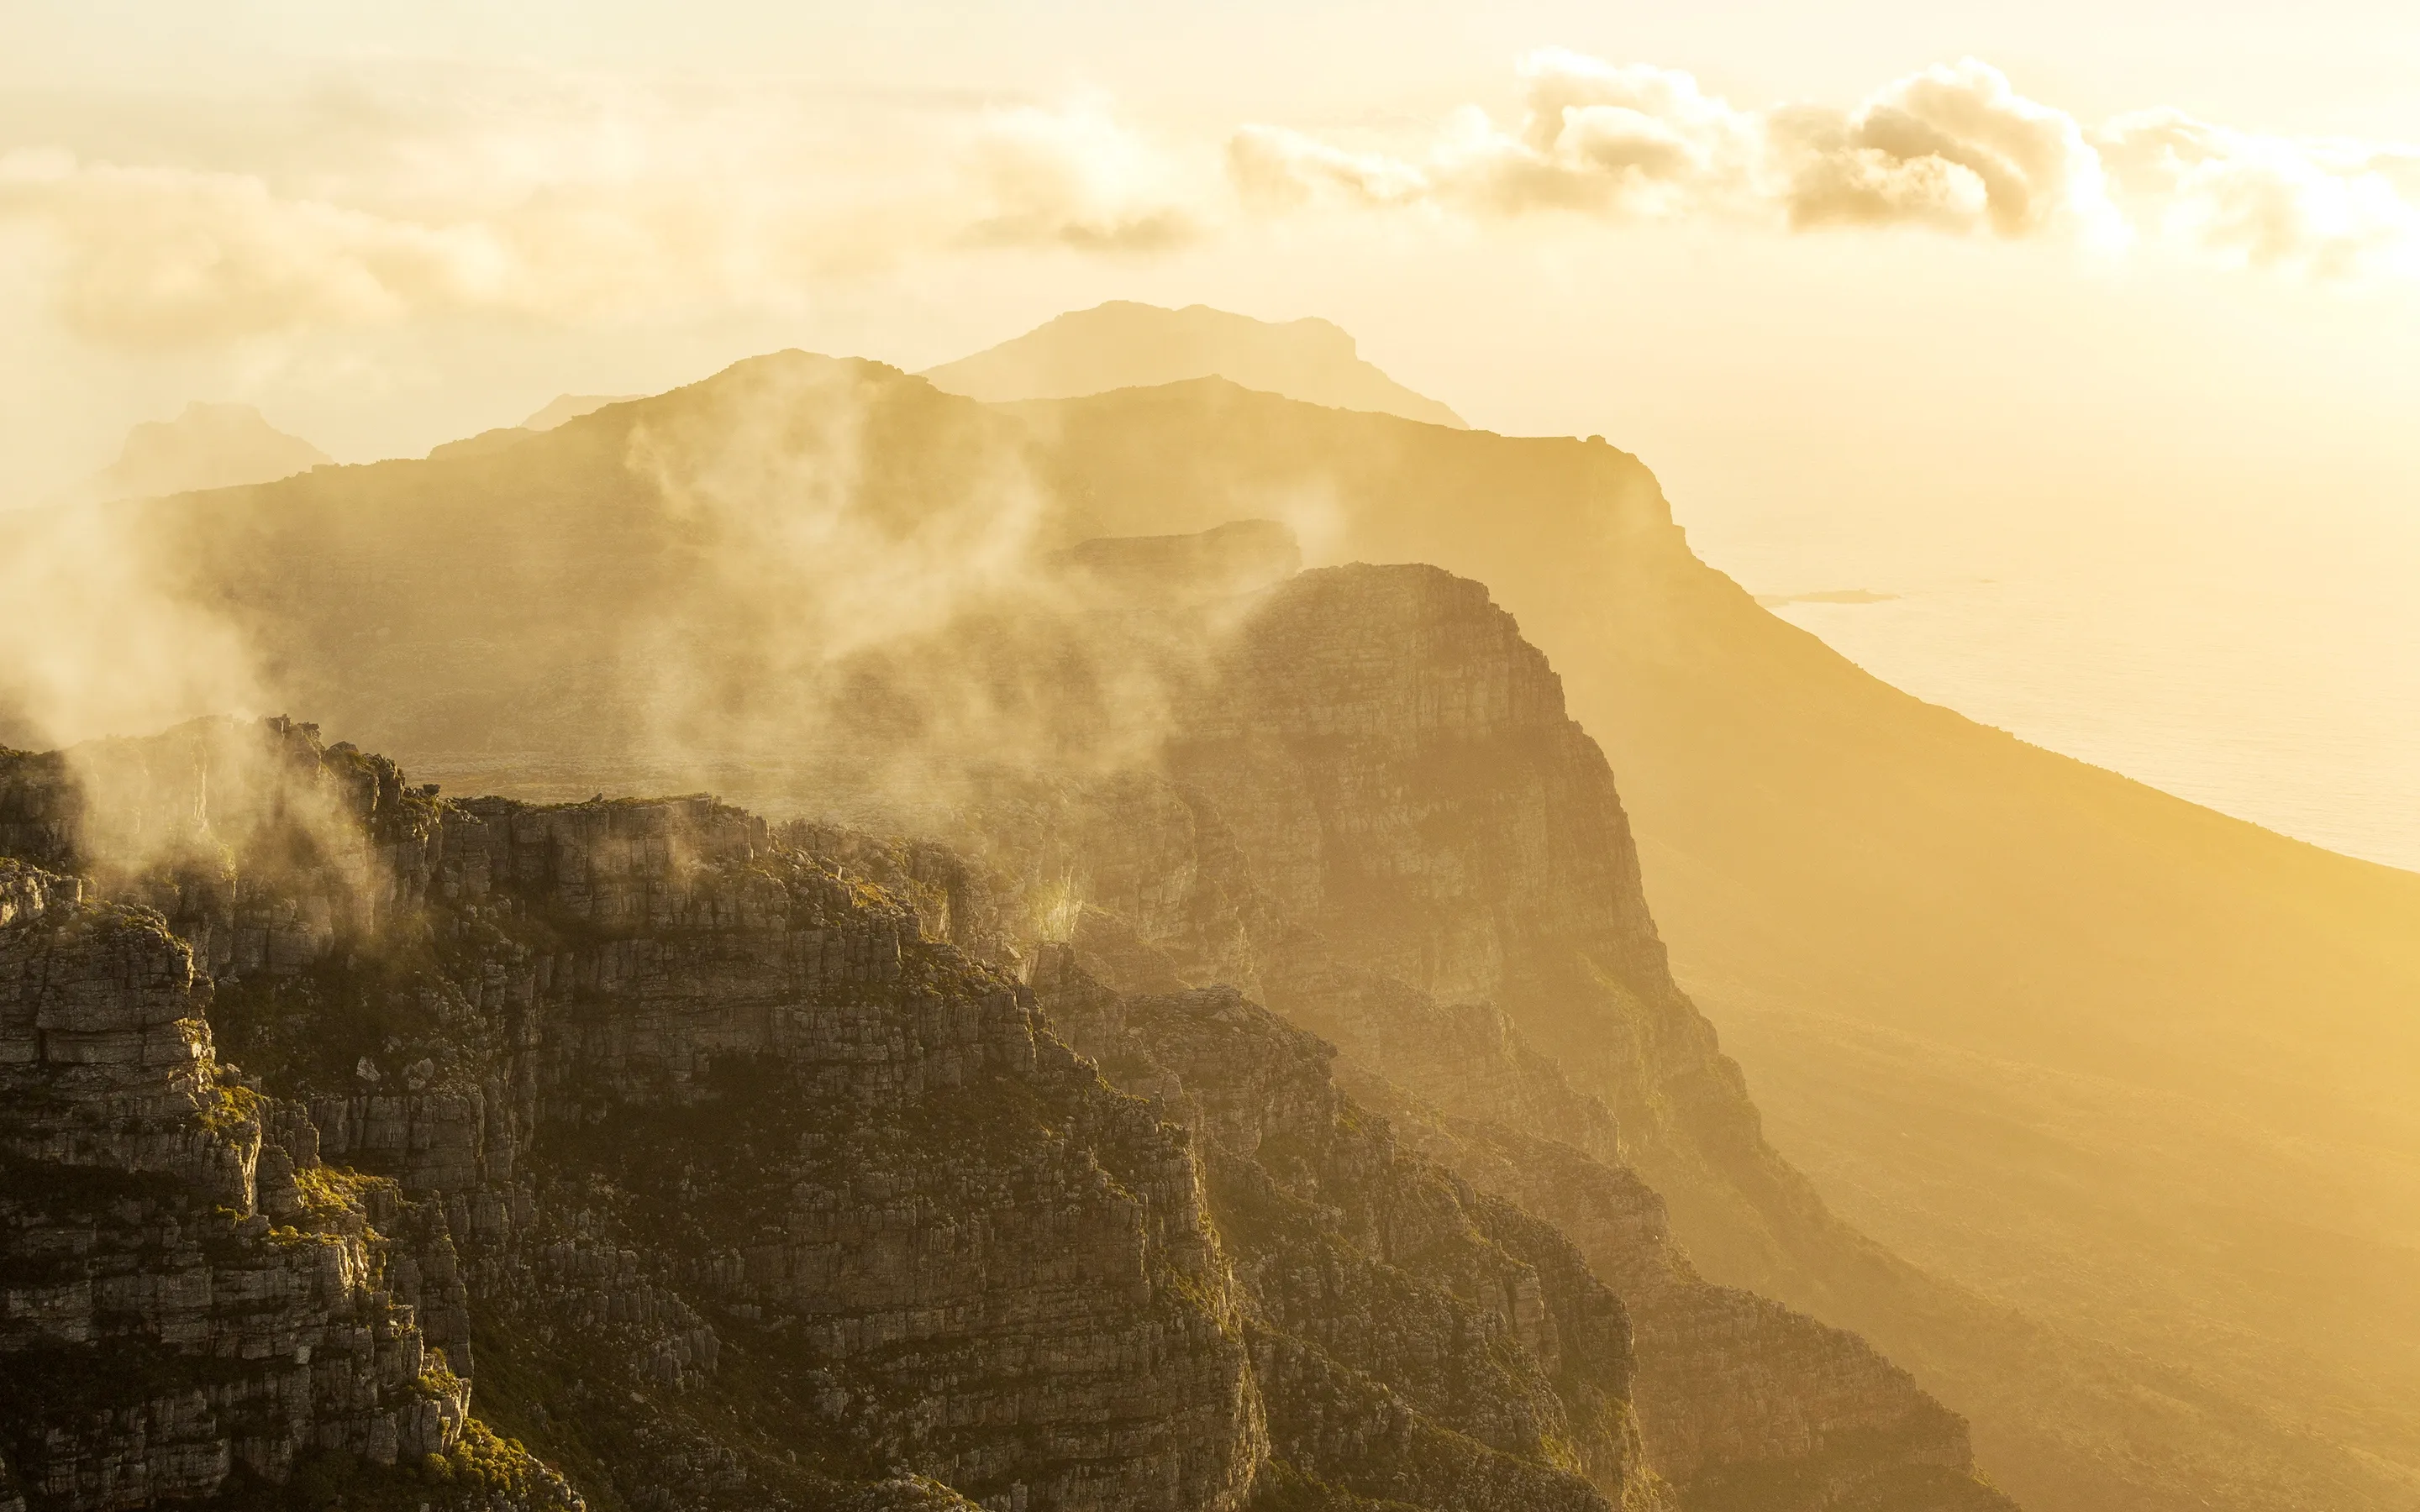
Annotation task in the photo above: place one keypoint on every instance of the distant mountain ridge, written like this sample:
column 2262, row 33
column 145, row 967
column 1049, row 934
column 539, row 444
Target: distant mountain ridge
column 208, row 446
column 566, row 406
column 1122, row 345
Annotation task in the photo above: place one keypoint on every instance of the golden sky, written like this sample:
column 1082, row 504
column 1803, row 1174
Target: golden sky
column 1919, row 257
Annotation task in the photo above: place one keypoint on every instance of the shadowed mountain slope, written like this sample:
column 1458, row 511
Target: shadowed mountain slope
column 1122, row 345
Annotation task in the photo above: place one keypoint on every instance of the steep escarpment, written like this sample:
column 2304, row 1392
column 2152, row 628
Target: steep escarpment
column 1397, row 762
column 1400, row 756
column 1417, row 1341
column 1430, row 963
column 1522, row 970
column 1379, row 792
column 195, row 1303
column 725, row 1166
column 1902, row 921
column 741, row 1191
column 2128, row 1041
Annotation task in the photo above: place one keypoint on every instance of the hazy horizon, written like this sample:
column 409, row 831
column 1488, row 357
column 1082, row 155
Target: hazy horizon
column 2248, row 671
column 2146, row 294
column 1087, row 758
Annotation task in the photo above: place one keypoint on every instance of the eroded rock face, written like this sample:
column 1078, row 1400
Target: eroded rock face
column 1378, row 817
column 1397, row 764
column 1387, row 738
column 864, row 1150
column 726, row 1178
column 1741, row 1400
column 191, row 1301
column 746, row 1190
column 742, row 1166
column 1415, row 1341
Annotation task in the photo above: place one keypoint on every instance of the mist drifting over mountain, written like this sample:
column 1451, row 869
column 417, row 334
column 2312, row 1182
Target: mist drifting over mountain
column 855, row 846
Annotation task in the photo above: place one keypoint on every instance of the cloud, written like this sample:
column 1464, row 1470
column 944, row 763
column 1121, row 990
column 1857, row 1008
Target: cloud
column 580, row 205
column 1276, row 169
column 99, row 638
column 2329, row 209
column 896, row 616
column 1625, row 140
column 170, row 257
column 1075, row 178
column 577, row 200
column 1954, row 148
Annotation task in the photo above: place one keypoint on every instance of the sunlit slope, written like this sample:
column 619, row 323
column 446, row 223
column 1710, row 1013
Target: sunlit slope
column 2127, row 1064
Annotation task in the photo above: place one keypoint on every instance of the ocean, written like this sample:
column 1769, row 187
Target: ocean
column 2270, row 669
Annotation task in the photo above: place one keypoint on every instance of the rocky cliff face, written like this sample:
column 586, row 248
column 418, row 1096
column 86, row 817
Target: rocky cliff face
column 641, row 1081
column 193, row 1300
column 1455, row 845
column 1377, row 816
column 1396, row 762
column 1418, row 1342
column 697, row 1158
column 534, row 617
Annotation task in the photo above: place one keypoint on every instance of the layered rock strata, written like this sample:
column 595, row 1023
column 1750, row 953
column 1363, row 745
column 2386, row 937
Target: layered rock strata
column 726, row 1178
column 764, row 1175
column 1377, row 816
column 193, row 1300
column 1417, row 1342
column 940, row 1238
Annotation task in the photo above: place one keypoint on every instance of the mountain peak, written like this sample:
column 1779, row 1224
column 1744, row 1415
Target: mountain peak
column 564, row 406
column 1124, row 344
column 208, row 446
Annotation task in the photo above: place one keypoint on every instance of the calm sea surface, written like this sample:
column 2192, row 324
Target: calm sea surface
column 2270, row 673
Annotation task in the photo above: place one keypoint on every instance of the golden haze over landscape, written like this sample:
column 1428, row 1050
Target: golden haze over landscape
column 1325, row 759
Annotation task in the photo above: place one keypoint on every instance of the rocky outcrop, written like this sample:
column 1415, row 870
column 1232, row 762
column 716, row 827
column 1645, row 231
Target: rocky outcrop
column 1396, row 762
column 1377, row 818
column 1453, row 837
column 734, row 1165
column 727, row 1165
column 190, row 1300
column 872, row 1154
column 1416, row 1342
column 711, row 1121
column 1741, row 1400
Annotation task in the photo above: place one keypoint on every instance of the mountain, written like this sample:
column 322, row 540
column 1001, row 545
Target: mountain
column 2124, row 1076
column 208, row 446
column 2126, row 1065
column 722, row 1164
column 2128, row 1074
column 1122, row 345
column 565, row 406
column 561, row 411
column 685, row 1234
